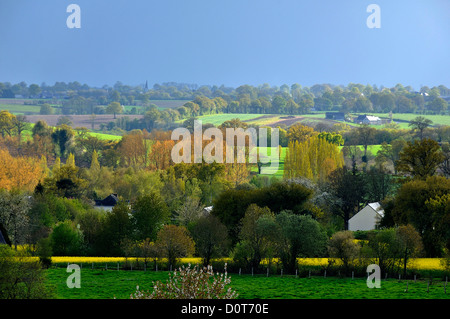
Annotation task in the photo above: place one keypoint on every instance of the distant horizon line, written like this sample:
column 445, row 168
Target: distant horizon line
column 221, row 85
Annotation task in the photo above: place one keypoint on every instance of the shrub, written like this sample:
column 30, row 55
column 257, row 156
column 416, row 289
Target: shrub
column 191, row 283
column 20, row 277
column 44, row 251
column 343, row 246
column 174, row 242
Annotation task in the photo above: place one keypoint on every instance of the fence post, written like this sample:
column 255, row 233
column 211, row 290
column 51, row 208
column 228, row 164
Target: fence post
column 252, row 271
column 267, row 271
column 296, row 270
column 239, row 271
column 117, row 266
column 353, row 274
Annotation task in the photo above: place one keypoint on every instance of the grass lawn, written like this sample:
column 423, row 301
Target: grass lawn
column 107, row 284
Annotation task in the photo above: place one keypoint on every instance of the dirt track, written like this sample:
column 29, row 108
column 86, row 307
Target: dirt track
column 287, row 122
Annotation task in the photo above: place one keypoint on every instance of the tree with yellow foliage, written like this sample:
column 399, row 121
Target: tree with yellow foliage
column 300, row 133
column 22, row 173
column 314, row 158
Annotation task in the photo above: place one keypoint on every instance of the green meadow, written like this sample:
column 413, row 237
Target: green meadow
column 111, row 283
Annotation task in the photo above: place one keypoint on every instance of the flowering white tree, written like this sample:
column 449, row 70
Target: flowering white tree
column 191, row 283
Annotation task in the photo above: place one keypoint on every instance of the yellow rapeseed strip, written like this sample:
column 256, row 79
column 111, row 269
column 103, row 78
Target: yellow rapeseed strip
column 414, row 263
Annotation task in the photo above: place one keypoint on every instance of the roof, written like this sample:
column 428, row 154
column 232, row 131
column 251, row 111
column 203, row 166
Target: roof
column 208, row 209
column 2, row 239
column 377, row 208
column 111, row 200
column 368, row 117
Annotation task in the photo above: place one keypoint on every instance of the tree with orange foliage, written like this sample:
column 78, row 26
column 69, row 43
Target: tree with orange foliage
column 22, row 173
column 160, row 155
column 133, row 149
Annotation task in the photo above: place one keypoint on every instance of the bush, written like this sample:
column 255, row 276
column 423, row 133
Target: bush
column 20, row 278
column 343, row 246
column 174, row 242
column 66, row 240
column 191, row 283
column 44, row 251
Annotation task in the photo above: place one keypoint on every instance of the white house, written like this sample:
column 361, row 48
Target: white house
column 367, row 218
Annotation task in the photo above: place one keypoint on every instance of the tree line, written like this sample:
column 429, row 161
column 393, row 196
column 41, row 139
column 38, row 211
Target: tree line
column 74, row 98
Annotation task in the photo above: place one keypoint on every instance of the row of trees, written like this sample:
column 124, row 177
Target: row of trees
column 74, row 98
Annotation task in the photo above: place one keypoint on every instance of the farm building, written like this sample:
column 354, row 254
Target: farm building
column 367, row 119
column 337, row 116
column 367, row 218
column 108, row 203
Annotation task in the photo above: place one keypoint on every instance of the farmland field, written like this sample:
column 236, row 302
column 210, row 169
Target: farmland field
column 173, row 104
column 103, row 136
column 20, row 108
column 81, row 120
column 273, row 171
column 217, row 119
column 111, row 283
column 406, row 117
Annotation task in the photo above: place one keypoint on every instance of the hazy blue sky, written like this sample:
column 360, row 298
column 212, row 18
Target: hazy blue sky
column 230, row 42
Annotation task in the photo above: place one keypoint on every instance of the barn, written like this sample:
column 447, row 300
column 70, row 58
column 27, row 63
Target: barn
column 367, row 218
column 108, row 203
column 367, row 119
